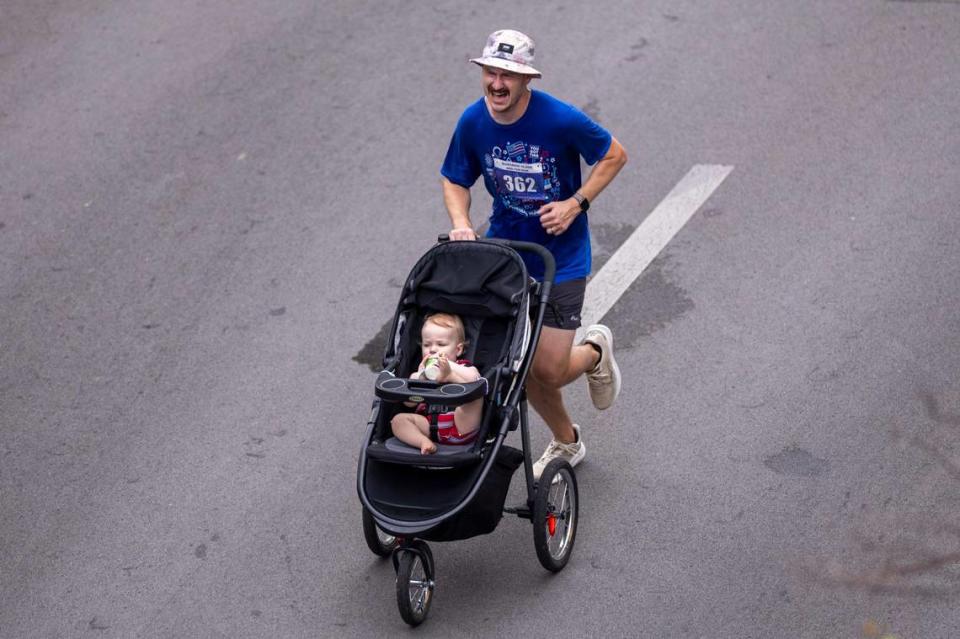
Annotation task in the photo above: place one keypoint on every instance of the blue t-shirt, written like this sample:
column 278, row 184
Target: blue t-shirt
column 526, row 164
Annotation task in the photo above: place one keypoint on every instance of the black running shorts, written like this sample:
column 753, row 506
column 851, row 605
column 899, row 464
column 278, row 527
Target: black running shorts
column 565, row 304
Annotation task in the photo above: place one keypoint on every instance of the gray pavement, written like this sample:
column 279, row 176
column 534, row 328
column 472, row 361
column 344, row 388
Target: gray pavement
column 206, row 212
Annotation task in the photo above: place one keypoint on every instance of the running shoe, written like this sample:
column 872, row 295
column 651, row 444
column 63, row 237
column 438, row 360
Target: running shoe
column 573, row 453
column 604, row 379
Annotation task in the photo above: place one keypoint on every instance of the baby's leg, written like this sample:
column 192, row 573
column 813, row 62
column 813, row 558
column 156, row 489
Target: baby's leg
column 467, row 417
column 413, row 430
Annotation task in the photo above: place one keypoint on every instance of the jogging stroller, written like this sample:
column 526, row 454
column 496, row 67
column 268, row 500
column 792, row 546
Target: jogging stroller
column 459, row 491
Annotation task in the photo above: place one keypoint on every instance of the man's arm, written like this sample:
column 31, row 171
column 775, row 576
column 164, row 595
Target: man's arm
column 556, row 217
column 605, row 170
column 457, row 200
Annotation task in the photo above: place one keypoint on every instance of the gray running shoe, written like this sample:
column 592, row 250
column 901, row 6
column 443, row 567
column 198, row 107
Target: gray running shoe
column 604, row 380
column 573, row 453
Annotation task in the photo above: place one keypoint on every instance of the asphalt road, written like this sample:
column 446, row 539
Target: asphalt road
column 206, row 212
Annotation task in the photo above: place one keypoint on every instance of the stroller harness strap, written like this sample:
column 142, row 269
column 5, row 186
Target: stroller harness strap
column 443, row 427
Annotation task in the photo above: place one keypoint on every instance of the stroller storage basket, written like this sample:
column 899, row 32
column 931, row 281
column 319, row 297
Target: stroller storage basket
column 485, row 510
column 413, row 494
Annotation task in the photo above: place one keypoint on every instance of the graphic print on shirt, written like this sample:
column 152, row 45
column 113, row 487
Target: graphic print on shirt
column 524, row 175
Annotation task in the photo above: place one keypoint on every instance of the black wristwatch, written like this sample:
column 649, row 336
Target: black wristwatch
column 582, row 201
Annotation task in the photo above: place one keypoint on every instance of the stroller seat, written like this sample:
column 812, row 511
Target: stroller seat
column 487, row 344
column 389, row 449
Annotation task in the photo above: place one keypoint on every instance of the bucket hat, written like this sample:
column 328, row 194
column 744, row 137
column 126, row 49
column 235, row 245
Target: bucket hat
column 510, row 50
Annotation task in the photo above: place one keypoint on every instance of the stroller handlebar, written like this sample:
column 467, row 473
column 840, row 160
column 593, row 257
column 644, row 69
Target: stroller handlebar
column 401, row 389
column 549, row 264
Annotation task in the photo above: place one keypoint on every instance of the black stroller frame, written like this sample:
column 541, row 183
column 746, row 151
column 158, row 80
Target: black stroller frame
column 459, row 492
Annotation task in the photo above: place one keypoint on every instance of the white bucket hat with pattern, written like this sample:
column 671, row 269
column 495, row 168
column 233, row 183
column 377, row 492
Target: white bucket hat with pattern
column 510, row 50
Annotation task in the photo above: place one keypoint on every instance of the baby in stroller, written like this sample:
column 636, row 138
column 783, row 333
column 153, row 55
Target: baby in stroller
column 442, row 337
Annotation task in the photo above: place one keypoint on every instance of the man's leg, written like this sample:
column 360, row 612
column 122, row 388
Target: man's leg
column 556, row 363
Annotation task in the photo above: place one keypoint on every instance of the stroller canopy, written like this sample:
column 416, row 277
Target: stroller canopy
column 483, row 282
column 478, row 279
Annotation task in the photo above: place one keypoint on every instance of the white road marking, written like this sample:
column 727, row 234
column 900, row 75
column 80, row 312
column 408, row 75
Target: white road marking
column 646, row 242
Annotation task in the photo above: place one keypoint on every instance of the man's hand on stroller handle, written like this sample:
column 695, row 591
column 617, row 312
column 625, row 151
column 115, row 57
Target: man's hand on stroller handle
column 463, row 233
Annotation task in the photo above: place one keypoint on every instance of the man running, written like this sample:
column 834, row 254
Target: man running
column 527, row 146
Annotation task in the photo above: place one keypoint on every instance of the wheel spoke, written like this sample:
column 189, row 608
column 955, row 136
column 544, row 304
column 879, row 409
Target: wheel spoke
column 563, row 500
column 557, row 485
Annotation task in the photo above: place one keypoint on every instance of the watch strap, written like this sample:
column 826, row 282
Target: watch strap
column 582, row 201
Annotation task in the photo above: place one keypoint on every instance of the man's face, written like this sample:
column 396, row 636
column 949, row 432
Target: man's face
column 503, row 89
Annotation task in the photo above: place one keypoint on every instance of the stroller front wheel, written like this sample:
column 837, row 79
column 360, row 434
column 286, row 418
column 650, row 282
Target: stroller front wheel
column 414, row 582
column 379, row 542
column 555, row 511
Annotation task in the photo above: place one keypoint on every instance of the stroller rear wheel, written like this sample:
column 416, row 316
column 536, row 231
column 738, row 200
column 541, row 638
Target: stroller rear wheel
column 379, row 542
column 555, row 511
column 414, row 582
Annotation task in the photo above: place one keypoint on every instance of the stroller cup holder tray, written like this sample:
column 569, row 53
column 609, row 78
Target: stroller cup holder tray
column 399, row 389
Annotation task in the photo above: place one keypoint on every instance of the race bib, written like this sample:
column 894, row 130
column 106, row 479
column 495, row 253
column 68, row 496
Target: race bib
column 522, row 180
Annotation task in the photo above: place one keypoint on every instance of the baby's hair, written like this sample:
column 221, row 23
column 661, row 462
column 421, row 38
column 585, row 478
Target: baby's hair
column 448, row 320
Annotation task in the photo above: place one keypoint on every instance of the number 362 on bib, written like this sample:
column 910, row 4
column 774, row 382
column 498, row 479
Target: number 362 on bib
column 521, row 180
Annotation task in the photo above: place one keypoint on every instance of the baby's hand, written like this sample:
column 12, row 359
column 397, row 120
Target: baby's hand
column 443, row 366
column 418, row 374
